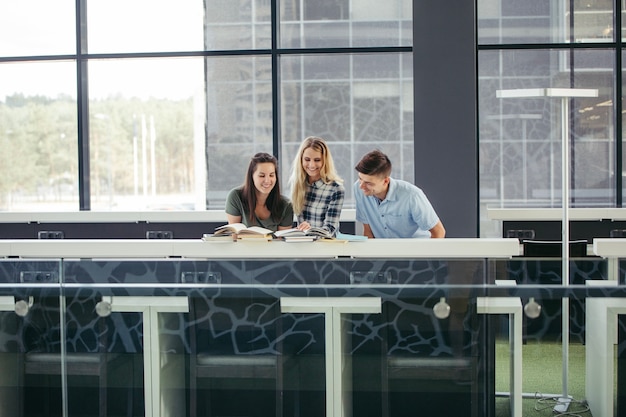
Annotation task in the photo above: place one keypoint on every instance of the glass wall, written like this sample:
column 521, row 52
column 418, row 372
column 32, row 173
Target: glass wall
column 158, row 105
column 527, row 46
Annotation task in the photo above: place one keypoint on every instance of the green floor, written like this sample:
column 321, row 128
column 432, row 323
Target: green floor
column 542, row 374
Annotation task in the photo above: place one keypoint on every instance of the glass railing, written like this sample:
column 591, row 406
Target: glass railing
column 283, row 335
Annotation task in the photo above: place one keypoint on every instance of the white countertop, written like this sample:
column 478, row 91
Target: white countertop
column 610, row 247
column 522, row 214
column 165, row 248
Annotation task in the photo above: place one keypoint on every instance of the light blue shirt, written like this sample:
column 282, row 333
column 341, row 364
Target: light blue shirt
column 404, row 213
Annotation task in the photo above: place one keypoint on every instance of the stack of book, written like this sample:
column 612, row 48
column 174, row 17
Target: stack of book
column 296, row 235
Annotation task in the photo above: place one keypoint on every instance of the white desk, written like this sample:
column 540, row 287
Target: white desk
column 164, row 248
column 449, row 248
column 613, row 249
column 7, row 303
column 9, row 377
column 610, row 247
column 513, row 307
column 159, row 401
column 601, row 324
column 530, row 214
column 338, row 366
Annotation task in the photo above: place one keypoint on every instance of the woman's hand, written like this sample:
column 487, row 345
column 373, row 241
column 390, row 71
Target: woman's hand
column 304, row 226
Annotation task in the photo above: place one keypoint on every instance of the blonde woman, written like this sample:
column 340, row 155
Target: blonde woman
column 317, row 191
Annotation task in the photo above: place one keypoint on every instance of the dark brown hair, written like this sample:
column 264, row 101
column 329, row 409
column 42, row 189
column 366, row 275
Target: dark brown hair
column 374, row 163
column 274, row 201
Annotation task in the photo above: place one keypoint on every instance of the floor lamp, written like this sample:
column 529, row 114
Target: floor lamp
column 565, row 94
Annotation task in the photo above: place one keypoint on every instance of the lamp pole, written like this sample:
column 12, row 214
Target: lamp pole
column 565, row 94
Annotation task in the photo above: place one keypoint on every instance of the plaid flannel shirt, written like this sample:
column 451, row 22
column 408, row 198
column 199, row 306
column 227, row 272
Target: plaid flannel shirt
column 322, row 205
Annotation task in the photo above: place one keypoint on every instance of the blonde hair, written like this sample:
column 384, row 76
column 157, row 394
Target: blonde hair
column 298, row 178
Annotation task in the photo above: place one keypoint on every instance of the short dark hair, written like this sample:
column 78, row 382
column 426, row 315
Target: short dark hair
column 374, row 163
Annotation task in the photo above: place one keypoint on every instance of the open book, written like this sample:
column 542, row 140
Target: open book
column 313, row 232
column 242, row 231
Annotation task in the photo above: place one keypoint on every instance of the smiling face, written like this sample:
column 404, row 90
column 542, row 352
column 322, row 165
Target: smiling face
column 375, row 185
column 312, row 163
column 264, row 177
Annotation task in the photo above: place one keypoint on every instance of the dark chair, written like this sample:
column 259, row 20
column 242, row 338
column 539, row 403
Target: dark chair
column 235, row 354
column 434, row 353
column 418, row 361
column 87, row 358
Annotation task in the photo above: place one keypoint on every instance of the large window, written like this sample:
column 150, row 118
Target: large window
column 537, row 45
column 356, row 101
column 148, row 104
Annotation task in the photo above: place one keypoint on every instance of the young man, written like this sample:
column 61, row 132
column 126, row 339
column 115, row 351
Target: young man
column 390, row 208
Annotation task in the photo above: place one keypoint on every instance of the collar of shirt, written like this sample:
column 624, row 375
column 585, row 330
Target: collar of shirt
column 391, row 192
column 317, row 184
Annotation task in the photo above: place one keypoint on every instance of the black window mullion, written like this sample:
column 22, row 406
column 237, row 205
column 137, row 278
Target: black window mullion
column 618, row 104
column 84, row 188
column 275, row 82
